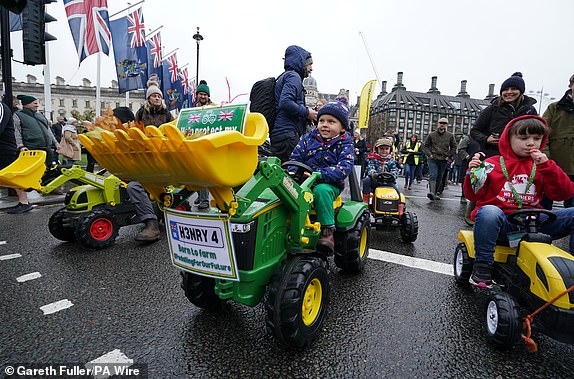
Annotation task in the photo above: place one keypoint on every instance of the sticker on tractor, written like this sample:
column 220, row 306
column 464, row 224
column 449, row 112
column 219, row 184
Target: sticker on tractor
column 201, row 244
column 212, row 119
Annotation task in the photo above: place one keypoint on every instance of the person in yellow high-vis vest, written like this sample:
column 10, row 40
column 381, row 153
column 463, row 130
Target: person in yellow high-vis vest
column 412, row 153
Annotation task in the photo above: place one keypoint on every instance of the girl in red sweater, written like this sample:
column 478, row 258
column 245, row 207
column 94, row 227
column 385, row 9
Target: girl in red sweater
column 515, row 179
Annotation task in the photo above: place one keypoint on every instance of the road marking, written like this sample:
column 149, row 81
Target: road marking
column 110, row 360
column 3, row 242
column 9, row 256
column 30, row 276
column 423, row 264
column 56, row 307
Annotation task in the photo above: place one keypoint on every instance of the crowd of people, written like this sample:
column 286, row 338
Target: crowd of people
column 508, row 133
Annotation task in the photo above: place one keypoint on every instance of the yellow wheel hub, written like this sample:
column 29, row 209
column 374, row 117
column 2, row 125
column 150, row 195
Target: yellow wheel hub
column 363, row 243
column 312, row 302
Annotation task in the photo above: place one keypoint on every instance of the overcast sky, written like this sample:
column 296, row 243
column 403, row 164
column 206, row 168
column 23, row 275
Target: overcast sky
column 479, row 41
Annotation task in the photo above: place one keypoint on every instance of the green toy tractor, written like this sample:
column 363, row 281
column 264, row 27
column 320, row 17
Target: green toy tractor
column 257, row 241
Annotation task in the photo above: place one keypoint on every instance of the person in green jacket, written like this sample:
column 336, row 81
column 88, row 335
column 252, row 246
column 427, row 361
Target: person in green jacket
column 32, row 130
column 560, row 118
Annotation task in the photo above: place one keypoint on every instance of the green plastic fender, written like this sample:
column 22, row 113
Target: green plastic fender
column 349, row 213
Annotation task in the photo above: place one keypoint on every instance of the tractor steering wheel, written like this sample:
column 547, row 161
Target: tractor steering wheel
column 531, row 218
column 385, row 177
column 299, row 175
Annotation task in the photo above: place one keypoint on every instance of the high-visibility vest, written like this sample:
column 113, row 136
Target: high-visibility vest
column 416, row 150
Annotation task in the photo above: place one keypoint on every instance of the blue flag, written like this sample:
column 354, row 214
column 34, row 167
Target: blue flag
column 130, row 52
column 172, row 86
column 154, row 58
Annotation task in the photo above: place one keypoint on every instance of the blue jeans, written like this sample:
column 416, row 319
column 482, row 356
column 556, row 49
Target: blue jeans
column 436, row 170
column 490, row 223
column 409, row 174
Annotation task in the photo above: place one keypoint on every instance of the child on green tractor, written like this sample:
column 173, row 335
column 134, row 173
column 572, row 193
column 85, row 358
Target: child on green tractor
column 328, row 149
column 515, row 179
column 381, row 160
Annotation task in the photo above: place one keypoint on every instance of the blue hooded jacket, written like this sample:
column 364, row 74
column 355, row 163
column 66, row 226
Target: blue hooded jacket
column 334, row 158
column 289, row 96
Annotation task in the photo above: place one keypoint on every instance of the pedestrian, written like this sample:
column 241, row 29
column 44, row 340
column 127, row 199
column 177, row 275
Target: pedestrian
column 292, row 113
column 202, row 94
column 515, row 179
column 381, row 160
column 461, row 162
column 328, row 149
column 9, row 153
column 56, row 128
column 153, row 111
column 491, row 121
column 31, row 129
column 412, row 153
column 70, row 146
column 439, row 146
column 560, row 118
column 360, row 148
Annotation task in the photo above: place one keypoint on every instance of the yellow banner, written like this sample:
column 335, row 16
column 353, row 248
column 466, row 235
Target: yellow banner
column 365, row 104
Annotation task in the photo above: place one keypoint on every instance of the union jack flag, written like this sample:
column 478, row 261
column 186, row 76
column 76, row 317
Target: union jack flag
column 155, row 49
column 184, row 81
column 174, row 231
column 192, row 92
column 225, row 116
column 89, row 24
column 136, row 28
column 193, row 118
column 173, row 67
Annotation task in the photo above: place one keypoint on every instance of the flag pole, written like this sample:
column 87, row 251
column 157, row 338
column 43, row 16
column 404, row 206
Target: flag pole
column 125, row 9
column 127, row 98
column 47, row 88
column 149, row 35
column 98, row 105
column 170, row 53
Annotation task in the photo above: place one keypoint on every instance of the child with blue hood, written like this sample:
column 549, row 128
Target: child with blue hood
column 329, row 150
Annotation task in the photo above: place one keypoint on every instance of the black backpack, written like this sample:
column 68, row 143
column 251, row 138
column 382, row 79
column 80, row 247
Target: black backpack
column 262, row 98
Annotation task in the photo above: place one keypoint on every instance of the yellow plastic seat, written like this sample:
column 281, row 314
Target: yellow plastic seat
column 25, row 172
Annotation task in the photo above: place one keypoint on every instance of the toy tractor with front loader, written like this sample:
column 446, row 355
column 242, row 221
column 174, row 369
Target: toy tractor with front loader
column 257, row 242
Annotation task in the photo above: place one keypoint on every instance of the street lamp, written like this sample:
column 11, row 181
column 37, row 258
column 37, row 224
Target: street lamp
column 541, row 95
column 198, row 38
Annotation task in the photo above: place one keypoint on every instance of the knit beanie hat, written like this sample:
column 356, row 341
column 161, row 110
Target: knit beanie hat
column 337, row 108
column 202, row 87
column 26, row 99
column 153, row 87
column 515, row 81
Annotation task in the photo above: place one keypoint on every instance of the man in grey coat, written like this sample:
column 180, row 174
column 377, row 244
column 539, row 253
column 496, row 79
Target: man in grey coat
column 439, row 146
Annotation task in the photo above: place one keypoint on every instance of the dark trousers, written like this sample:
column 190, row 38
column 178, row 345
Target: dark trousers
column 282, row 147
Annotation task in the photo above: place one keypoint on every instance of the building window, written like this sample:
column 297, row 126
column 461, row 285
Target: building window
column 103, row 105
column 74, row 103
column 131, row 106
column 61, row 102
column 87, row 103
column 117, row 104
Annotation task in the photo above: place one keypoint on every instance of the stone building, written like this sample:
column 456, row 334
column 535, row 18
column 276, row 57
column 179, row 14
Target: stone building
column 410, row 112
column 312, row 95
column 82, row 98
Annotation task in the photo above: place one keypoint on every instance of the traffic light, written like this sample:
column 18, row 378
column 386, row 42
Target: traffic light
column 34, row 36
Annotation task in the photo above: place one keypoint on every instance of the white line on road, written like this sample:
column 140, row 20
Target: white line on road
column 9, row 256
column 3, row 242
column 423, row 264
column 56, row 307
column 106, row 365
column 30, row 276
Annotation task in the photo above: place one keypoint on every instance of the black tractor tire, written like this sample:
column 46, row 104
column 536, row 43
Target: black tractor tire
column 200, row 291
column 57, row 228
column 462, row 265
column 298, row 300
column 503, row 322
column 98, row 229
column 352, row 246
column 409, row 227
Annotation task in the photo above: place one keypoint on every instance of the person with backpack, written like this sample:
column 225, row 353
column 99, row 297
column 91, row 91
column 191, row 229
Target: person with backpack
column 292, row 113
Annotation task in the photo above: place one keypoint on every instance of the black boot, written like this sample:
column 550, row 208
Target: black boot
column 326, row 242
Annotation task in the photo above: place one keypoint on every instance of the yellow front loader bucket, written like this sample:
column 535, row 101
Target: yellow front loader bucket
column 25, row 172
column 164, row 156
